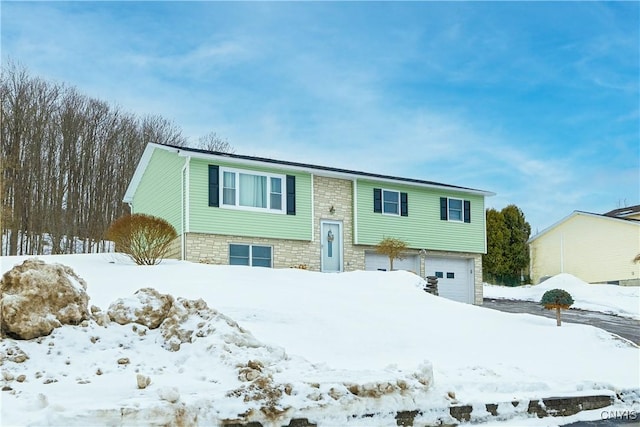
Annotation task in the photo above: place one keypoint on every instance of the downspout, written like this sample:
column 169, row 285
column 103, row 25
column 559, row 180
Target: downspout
column 313, row 209
column 130, row 213
column 355, row 212
column 184, row 203
column 531, row 263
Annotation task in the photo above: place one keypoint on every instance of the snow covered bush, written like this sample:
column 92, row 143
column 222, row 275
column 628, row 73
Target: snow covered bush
column 146, row 239
column 558, row 299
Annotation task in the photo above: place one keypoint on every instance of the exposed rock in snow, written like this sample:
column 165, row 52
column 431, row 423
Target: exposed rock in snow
column 143, row 381
column 148, row 307
column 13, row 354
column 99, row 316
column 38, row 297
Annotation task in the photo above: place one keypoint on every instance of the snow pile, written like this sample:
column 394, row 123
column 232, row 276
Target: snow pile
column 38, row 297
column 214, row 359
column 148, row 307
column 253, row 344
column 619, row 300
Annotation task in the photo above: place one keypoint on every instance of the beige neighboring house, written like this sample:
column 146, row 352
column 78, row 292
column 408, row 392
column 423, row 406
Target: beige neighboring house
column 596, row 248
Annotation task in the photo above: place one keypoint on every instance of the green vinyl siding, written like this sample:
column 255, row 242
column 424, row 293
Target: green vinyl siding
column 422, row 228
column 159, row 191
column 237, row 222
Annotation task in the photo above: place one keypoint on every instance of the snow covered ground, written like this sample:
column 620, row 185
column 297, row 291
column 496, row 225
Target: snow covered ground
column 619, row 300
column 325, row 346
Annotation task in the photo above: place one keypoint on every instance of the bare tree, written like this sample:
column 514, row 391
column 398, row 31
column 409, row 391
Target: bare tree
column 65, row 163
column 161, row 131
column 393, row 248
column 213, row 142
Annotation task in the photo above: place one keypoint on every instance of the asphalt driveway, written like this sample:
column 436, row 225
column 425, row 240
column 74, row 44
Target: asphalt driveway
column 626, row 328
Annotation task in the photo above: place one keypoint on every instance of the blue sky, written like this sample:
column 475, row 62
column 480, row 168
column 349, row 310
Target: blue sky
column 538, row 102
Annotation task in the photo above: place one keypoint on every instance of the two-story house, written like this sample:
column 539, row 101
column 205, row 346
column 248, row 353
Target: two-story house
column 244, row 210
column 596, row 248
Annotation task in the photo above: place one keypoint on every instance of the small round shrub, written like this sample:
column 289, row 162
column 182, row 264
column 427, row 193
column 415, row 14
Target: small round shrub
column 146, row 239
column 557, row 299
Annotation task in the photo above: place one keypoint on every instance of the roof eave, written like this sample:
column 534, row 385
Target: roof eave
column 576, row 213
column 328, row 172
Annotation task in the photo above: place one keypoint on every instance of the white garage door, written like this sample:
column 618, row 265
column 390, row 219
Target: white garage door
column 455, row 277
column 374, row 261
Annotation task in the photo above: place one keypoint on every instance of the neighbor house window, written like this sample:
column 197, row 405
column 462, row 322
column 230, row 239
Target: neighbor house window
column 391, row 202
column 251, row 255
column 251, row 190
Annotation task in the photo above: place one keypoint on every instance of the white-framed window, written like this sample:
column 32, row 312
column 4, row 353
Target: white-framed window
column 244, row 189
column 391, row 202
column 250, row 255
column 455, row 210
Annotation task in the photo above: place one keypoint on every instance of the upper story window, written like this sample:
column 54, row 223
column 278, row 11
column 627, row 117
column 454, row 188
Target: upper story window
column 252, row 190
column 455, row 209
column 391, row 202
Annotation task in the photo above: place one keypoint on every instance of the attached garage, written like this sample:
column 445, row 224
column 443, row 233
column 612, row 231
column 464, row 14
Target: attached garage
column 455, row 277
column 374, row 261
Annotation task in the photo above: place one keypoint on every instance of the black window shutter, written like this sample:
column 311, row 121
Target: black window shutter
column 291, row 195
column 377, row 200
column 467, row 211
column 443, row 208
column 404, row 204
column 214, row 180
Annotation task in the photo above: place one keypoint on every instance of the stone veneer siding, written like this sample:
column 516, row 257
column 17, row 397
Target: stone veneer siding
column 336, row 193
column 214, row 249
column 175, row 248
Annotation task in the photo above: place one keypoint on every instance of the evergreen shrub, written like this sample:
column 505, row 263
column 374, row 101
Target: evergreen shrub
column 557, row 299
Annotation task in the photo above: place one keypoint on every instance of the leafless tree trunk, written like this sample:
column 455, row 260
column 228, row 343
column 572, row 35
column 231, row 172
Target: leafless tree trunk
column 65, row 163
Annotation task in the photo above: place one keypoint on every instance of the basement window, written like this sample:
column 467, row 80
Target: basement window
column 250, row 255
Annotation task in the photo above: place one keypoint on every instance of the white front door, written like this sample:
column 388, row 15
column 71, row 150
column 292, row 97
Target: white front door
column 331, row 241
